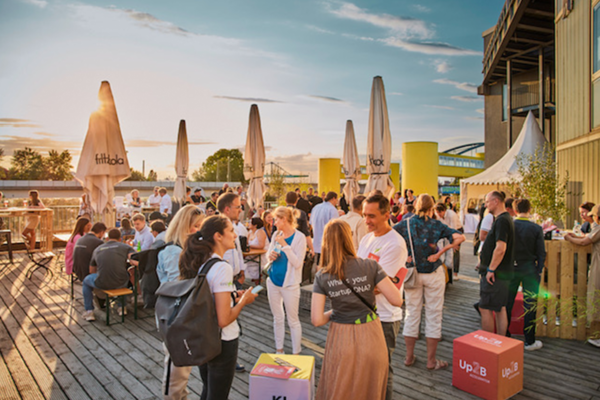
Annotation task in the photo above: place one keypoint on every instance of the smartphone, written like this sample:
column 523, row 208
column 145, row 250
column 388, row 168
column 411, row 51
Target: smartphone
column 257, row 289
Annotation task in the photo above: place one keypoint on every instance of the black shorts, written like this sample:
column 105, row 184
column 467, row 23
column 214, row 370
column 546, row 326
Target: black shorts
column 493, row 297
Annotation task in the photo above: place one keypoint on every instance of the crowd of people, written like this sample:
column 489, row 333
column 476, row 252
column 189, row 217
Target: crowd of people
column 368, row 260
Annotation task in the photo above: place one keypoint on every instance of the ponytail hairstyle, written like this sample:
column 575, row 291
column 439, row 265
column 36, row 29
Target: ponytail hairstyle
column 287, row 213
column 423, row 205
column 200, row 246
column 337, row 248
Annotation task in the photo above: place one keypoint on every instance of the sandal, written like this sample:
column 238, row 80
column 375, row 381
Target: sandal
column 439, row 364
column 410, row 364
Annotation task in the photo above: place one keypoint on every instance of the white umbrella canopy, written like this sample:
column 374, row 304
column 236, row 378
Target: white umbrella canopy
column 379, row 145
column 254, row 159
column 351, row 163
column 103, row 162
column 182, row 162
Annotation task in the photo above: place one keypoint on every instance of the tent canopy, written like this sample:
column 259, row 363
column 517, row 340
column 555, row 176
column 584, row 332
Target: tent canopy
column 506, row 169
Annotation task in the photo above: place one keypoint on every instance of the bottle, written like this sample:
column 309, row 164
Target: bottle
column 577, row 228
column 24, row 203
column 139, row 246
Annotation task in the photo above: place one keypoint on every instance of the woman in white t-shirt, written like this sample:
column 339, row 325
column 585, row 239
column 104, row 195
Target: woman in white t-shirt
column 214, row 238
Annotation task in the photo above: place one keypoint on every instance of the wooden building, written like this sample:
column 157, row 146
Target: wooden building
column 544, row 56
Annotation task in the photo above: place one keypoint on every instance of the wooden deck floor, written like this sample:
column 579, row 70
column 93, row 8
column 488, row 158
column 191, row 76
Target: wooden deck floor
column 49, row 351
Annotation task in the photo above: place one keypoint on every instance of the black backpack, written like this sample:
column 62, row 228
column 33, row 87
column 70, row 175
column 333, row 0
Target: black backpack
column 187, row 319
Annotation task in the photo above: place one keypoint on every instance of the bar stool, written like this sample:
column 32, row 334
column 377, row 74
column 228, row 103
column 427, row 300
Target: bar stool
column 8, row 234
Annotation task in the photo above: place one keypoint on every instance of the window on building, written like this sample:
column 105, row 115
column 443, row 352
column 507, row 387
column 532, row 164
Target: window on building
column 596, row 66
column 504, row 102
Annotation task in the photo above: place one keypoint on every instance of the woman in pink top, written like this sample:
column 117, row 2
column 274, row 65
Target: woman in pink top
column 82, row 226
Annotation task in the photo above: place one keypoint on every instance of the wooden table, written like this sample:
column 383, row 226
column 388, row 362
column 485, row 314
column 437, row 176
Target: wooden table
column 45, row 226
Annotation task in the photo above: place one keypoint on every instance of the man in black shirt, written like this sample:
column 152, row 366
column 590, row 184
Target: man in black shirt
column 291, row 199
column 84, row 248
column 496, row 266
column 197, row 197
column 108, row 270
column 530, row 254
column 302, row 203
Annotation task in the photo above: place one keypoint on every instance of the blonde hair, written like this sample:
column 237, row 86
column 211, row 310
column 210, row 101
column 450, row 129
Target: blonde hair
column 286, row 213
column 179, row 228
column 337, row 248
column 423, row 205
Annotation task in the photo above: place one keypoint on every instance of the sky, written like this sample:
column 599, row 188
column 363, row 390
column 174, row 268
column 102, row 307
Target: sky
column 309, row 65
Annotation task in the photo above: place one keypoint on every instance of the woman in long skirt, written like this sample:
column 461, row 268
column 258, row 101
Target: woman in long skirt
column 356, row 358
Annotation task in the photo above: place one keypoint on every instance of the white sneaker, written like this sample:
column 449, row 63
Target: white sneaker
column 534, row 346
column 594, row 342
column 89, row 315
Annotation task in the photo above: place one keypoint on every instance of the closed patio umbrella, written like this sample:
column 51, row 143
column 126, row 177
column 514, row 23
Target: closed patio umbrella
column 182, row 162
column 379, row 145
column 351, row 163
column 103, row 161
column 254, row 159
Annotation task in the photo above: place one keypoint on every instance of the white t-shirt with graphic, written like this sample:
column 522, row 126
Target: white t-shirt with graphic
column 220, row 279
column 390, row 252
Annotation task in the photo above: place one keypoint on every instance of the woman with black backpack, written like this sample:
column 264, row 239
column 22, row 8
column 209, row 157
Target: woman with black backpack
column 212, row 241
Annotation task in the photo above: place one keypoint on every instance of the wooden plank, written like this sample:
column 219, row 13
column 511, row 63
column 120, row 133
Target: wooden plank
column 582, row 277
column 553, row 257
column 100, row 362
column 566, row 291
column 54, row 333
column 39, row 371
column 23, row 381
column 116, row 361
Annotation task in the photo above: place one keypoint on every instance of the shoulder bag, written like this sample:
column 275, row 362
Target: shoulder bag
column 411, row 276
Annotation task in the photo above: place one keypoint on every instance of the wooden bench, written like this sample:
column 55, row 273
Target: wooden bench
column 120, row 294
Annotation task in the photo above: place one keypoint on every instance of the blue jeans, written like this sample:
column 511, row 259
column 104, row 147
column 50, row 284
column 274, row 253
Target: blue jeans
column 88, row 291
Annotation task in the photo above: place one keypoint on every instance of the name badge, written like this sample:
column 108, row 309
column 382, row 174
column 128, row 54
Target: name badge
column 373, row 257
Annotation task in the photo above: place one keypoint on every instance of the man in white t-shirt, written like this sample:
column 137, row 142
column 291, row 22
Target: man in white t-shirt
column 154, row 199
column 388, row 248
column 166, row 204
column 486, row 226
column 356, row 221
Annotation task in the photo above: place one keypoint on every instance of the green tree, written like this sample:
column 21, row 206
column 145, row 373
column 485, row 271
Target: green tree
column 26, row 164
column 223, row 165
column 135, row 175
column 541, row 184
column 3, row 171
column 58, row 166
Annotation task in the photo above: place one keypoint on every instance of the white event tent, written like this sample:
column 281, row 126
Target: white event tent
column 504, row 170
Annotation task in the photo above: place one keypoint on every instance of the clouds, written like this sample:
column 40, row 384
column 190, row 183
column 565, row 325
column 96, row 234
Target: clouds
column 429, row 47
column 149, row 21
column 158, row 143
column 467, row 87
column 466, row 98
column 404, row 27
column 326, row 98
column 248, row 99
column 442, row 66
column 406, row 33
column 10, row 143
column 17, row 123
column 440, row 107
column 37, row 3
